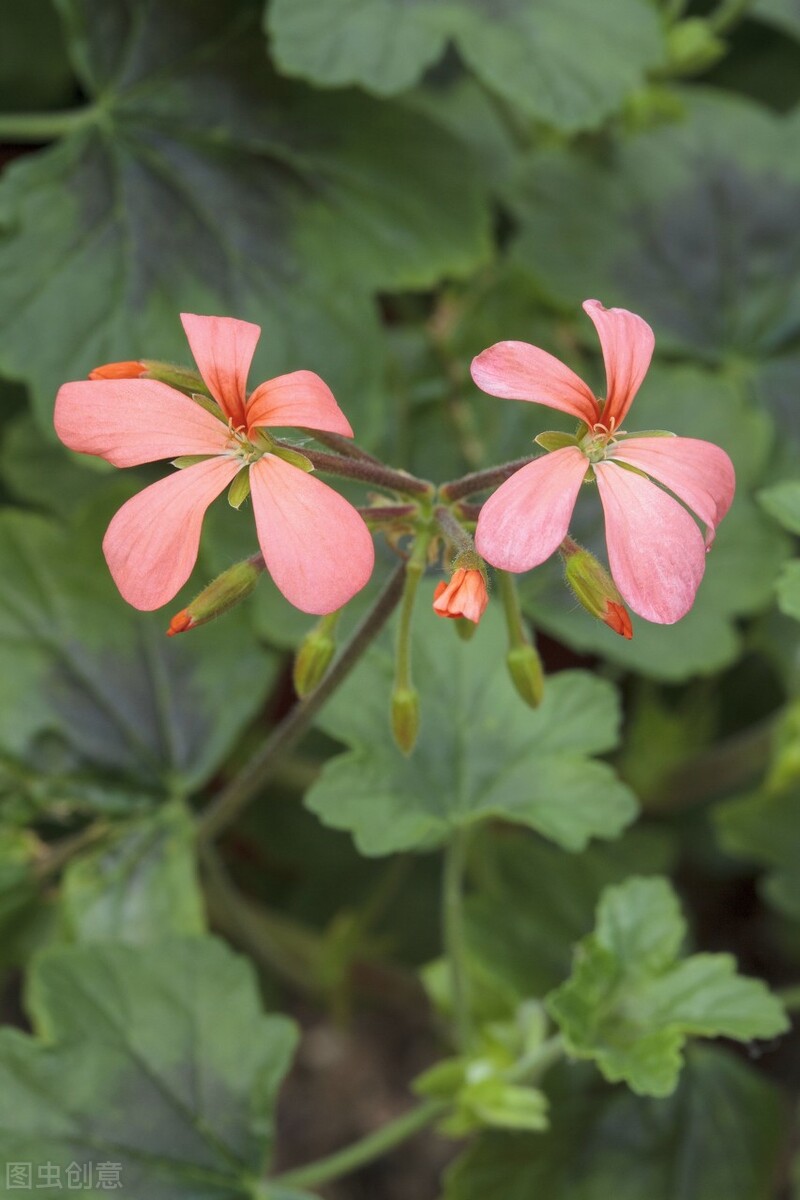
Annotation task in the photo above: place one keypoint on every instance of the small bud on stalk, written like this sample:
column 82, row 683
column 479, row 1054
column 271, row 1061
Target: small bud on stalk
column 314, row 656
column 405, row 717
column 223, row 593
column 594, row 588
column 525, row 669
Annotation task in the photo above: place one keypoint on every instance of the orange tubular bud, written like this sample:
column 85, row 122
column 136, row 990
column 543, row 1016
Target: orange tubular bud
column 226, row 590
column 594, row 588
column 464, row 596
column 119, row 370
column 180, row 623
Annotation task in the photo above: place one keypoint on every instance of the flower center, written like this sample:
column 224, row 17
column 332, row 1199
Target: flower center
column 598, row 438
column 248, row 449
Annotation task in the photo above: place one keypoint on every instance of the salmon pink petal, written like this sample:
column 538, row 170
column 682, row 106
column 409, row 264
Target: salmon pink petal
column 316, row 546
column 518, row 371
column 699, row 473
column 223, row 349
column 655, row 549
column 300, row 399
column 627, row 343
column 151, row 544
column 132, row 421
column 527, row 518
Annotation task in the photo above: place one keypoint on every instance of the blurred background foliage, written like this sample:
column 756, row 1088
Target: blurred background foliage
column 387, row 187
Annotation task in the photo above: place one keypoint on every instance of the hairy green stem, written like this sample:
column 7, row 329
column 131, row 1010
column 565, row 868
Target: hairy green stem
column 517, row 635
column 342, row 445
column 233, row 798
column 479, row 481
column 373, row 1146
column 44, row 127
column 414, row 570
column 454, row 935
column 452, row 528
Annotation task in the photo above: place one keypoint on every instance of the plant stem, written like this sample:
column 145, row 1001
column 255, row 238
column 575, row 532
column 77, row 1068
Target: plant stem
column 531, row 1067
column 379, row 513
column 414, row 570
column 245, row 785
column 364, row 1151
column 342, row 445
column 454, row 934
column 479, row 481
column 44, row 127
column 59, row 854
column 452, row 528
column 727, row 14
column 366, row 471
column 517, row 635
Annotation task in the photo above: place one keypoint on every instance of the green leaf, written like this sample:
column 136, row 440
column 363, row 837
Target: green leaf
column 172, row 1069
column 788, row 586
column 89, row 684
column 785, row 14
column 765, row 828
column 631, row 1004
column 569, row 63
column 720, row 1134
column 281, row 206
column 691, row 224
column 741, row 567
column 535, row 901
column 139, row 887
column 481, row 753
column 34, row 69
column 782, row 501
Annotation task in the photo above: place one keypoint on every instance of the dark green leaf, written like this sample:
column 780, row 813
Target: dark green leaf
column 719, row 1135
column 567, row 62
column 159, row 1060
column 200, row 182
column 86, row 682
column 481, row 753
column 140, row 886
column 631, row 1003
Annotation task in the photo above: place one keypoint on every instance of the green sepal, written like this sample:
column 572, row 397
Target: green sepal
column 645, row 433
column 293, row 456
column 239, row 489
column 209, row 405
column 181, row 378
column 190, row 460
column 629, row 467
column 554, row 439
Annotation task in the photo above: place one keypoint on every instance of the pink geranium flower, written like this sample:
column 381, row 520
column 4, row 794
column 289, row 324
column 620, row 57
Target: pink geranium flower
column 655, row 548
column 315, row 544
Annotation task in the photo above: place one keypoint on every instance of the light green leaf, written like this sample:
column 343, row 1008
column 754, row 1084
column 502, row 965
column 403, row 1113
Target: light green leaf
column 569, row 63
column 159, row 1060
column 631, row 1004
column 719, row 1135
column 788, row 586
column 782, row 501
column 86, row 682
column 481, row 753
column 140, row 886
column 280, row 206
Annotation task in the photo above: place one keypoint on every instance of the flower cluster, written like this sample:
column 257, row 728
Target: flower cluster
column 318, row 548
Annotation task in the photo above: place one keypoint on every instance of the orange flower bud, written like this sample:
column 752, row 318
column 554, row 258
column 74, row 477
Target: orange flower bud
column 594, row 588
column 119, row 370
column 464, row 596
column 226, row 590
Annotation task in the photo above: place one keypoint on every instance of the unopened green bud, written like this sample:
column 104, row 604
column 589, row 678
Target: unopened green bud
column 525, row 669
column 405, row 717
column 594, row 588
column 182, row 378
column 313, row 659
column 226, row 590
column 692, row 46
